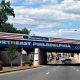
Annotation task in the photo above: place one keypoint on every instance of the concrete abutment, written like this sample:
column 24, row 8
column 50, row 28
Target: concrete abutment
column 40, row 57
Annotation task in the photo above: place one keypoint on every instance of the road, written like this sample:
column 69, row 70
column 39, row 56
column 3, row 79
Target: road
column 45, row 73
column 58, row 61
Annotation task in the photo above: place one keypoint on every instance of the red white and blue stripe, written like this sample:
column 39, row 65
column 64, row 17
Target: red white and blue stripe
column 11, row 36
column 62, row 40
column 15, row 36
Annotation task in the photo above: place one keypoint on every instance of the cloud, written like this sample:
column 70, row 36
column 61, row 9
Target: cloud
column 33, row 2
column 47, row 16
column 69, row 23
column 55, row 24
column 41, row 17
column 37, row 17
column 71, row 6
column 61, row 33
column 12, row 1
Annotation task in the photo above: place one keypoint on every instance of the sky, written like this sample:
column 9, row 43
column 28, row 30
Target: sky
column 49, row 18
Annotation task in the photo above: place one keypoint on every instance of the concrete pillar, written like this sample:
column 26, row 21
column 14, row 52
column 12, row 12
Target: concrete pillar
column 76, row 57
column 40, row 57
column 36, row 56
column 79, row 58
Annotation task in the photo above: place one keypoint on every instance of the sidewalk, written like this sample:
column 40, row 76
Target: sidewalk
column 16, row 68
column 73, row 60
column 51, row 62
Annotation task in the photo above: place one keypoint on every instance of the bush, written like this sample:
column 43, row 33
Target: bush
column 27, row 62
column 1, row 63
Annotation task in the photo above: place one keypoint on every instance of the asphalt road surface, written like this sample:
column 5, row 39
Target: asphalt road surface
column 45, row 73
column 58, row 61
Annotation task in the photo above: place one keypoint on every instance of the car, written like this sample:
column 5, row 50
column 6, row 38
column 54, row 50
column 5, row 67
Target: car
column 57, row 58
column 68, row 61
column 63, row 59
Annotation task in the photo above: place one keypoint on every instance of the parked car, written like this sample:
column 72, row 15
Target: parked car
column 68, row 61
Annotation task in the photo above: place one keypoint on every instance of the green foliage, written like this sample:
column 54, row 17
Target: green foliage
column 27, row 62
column 5, row 11
column 11, row 51
column 63, row 54
column 52, row 57
column 72, row 54
column 8, row 28
column 25, row 31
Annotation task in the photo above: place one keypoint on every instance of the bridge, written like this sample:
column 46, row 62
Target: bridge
column 40, row 45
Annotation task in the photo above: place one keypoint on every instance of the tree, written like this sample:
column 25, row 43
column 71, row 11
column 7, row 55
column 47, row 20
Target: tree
column 5, row 11
column 63, row 54
column 33, row 34
column 11, row 52
column 52, row 56
column 25, row 31
column 8, row 28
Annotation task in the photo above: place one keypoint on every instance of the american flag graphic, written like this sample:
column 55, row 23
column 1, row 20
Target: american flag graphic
column 23, row 51
column 61, row 40
column 15, row 36
column 11, row 36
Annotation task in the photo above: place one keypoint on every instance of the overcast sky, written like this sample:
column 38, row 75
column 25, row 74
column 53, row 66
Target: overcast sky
column 53, row 18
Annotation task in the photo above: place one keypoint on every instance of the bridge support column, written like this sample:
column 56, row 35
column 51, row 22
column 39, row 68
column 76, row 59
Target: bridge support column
column 69, row 54
column 79, row 58
column 36, row 56
column 40, row 57
column 76, row 57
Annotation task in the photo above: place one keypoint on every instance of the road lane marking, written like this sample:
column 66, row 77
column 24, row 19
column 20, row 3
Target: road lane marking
column 47, row 73
column 77, row 70
column 54, row 69
column 58, row 67
column 20, row 71
column 74, row 68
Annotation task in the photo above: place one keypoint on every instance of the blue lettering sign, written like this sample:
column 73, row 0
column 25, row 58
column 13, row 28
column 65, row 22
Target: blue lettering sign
column 36, row 38
column 37, row 44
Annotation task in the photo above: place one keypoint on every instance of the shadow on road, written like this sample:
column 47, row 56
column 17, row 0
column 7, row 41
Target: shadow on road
column 63, row 64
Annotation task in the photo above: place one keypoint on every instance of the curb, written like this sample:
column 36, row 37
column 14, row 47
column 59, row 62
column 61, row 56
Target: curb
column 20, row 69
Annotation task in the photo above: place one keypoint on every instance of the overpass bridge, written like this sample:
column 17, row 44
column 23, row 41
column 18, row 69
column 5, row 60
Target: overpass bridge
column 40, row 45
